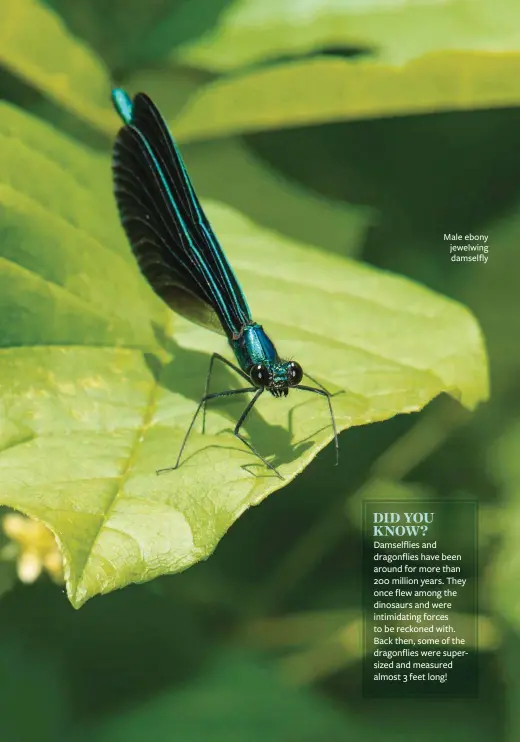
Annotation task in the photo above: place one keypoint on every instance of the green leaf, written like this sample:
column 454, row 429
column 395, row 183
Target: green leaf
column 322, row 90
column 77, row 216
column 87, row 417
column 36, row 47
column 255, row 30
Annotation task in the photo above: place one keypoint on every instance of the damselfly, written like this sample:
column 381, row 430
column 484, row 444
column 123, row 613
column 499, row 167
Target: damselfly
column 184, row 263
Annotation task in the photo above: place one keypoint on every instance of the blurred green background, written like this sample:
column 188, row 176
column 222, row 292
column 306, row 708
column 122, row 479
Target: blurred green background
column 370, row 131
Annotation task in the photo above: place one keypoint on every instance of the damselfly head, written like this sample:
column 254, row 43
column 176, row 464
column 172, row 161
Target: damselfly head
column 276, row 377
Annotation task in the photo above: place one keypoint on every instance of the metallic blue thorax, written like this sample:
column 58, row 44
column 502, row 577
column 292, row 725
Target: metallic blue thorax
column 252, row 347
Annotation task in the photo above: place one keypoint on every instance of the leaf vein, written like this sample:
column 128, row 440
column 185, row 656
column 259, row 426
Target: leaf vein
column 148, row 413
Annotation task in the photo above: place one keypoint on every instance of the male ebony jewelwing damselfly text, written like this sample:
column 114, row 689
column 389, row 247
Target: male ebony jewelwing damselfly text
column 184, row 263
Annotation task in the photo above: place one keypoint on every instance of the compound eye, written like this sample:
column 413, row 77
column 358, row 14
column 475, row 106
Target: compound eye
column 294, row 373
column 259, row 375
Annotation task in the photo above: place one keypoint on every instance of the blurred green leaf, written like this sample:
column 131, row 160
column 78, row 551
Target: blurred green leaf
column 86, row 417
column 493, row 306
column 254, row 30
column 384, row 490
column 264, row 195
column 36, row 47
column 31, row 677
column 504, row 461
column 228, row 171
column 509, row 661
column 324, row 90
column 170, row 87
column 237, row 698
column 128, row 33
column 241, row 697
column 8, row 555
column 7, row 576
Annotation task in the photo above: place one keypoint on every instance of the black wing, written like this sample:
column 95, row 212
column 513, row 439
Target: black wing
column 168, row 231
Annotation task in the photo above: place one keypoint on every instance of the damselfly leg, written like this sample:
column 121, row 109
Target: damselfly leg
column 202, row 402
column 239, row 424
column 218, row 357
column 324, row 393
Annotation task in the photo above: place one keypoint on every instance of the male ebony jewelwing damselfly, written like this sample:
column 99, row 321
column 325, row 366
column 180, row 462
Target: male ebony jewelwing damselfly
column 184, row 263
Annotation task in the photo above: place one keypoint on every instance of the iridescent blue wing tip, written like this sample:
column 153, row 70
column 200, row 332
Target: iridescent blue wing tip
column 123, row 104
